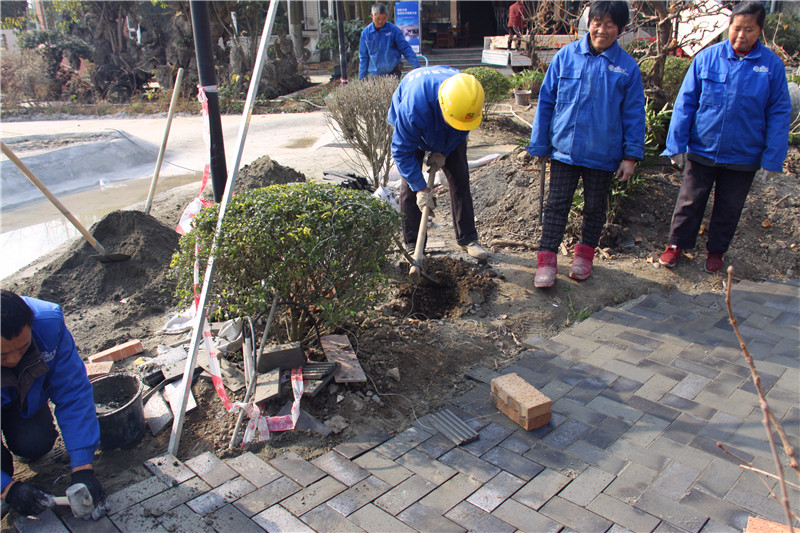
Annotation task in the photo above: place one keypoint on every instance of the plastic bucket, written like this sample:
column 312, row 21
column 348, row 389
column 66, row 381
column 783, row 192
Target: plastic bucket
column 118, row 401
column 522, row 97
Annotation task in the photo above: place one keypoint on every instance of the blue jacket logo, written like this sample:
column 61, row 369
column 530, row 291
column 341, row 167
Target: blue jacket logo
column 762, row 68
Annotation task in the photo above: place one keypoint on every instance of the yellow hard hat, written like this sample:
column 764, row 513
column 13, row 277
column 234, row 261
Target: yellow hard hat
column 461, row 100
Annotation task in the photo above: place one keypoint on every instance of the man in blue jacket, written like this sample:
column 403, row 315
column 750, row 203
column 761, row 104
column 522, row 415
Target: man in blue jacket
column 433, row 110
column 731, row 118
column 590, row 122
column 39, row 363
column 382, row 47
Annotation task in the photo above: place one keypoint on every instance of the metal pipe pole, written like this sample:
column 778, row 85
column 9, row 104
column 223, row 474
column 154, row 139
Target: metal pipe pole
column 176, row 90
column 342, row 41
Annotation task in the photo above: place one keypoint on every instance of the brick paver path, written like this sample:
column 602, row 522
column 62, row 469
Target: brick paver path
column 641, row 396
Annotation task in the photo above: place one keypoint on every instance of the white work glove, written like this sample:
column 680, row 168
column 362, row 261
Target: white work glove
column 679, row 160
column 768, row 174
column 435, row 161
column 625, row 170
column 425, row 199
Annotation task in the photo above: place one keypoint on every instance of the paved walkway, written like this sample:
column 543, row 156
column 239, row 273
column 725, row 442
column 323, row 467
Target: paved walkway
column 641, row 395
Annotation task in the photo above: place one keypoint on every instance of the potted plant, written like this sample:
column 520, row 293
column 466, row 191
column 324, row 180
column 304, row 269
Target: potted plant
column 525, row 84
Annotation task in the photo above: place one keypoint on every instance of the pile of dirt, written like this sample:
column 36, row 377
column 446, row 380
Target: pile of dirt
column 261, row 173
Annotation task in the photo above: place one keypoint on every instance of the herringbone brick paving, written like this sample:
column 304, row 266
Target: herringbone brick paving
column 641, row 396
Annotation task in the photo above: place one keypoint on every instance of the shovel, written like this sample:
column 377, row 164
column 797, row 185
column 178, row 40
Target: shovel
column 104, row 256
column 411, row 260
column 419, row 251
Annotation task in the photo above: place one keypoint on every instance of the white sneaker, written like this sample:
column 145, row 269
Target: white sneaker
column 475, row 250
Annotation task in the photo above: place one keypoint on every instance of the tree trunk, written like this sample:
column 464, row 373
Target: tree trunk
column 296, row 27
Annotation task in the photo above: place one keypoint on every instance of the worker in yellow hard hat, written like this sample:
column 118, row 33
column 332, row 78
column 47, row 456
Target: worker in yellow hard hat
column 433, row 110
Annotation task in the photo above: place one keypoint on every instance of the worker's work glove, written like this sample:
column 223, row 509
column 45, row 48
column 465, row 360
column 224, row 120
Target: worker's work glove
column 95, row 489
column 435, row 161
column 625, row 170
column 767, row 175
column 28, row 500
column 425, row 199
column 679, row 160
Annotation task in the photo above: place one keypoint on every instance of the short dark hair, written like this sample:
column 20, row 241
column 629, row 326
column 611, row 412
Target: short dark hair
column 14, row 314
column 618, row 10
column 750, row 8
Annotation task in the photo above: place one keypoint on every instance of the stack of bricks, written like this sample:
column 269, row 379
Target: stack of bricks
column 520, row 401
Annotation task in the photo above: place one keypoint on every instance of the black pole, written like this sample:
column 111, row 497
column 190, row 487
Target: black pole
column 201, row 27
column 342, row 40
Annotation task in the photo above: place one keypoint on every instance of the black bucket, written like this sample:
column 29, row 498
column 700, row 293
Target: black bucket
column 118, row 400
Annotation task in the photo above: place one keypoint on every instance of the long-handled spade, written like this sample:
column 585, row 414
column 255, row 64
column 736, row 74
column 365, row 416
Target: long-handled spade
column 416, row 270
column 104, row 256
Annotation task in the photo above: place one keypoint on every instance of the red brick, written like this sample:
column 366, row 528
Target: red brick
column 118, row 352
column 520, row 401
column 94, row 370
column 759, row 525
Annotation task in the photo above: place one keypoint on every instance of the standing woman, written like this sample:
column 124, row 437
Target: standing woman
column 590, row 123
column 731, row 118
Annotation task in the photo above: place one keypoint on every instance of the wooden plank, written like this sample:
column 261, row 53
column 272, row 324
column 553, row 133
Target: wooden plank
column 337, row 349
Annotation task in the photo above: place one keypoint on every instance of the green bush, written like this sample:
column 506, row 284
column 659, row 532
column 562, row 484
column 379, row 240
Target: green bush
column 528, row 80
column 495, row 86
column 674, row 70
column 318, row 245
column 784, row 30
column 657, row 124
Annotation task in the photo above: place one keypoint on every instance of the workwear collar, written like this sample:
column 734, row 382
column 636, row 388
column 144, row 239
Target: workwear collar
column 22, row 376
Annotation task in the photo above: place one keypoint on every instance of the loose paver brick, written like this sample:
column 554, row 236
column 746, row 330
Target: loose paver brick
column 276, row 519
column 253, row 469
column 134, row 494
column 169, row 469
column 514, row 463
column 450, row 493
column 405, row 441
column 495, row 491
column 381, row 466
column 313, row 495
column 266, row 496
column 211, row 469
column 631, row 482
column 228, row 492
column 421, row 518
column 623, row 513
column 183, row 519
column 470, row 465
column 430, row 469
column 175, row 496
column 475, row 519
column 681, row 516
column 358, row 495
column 297, row 468
column 584, row 488
column 540, row 489
column 324, row 518
column 375, row 520
column 229, row 518
column 362, row 443
column 134, row 520
column 525, row 519
column 340, row 468
column 573, row 516
column 406, row 493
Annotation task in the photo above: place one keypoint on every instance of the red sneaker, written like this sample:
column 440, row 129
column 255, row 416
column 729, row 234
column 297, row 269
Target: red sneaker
column 714, row 262
column 670, row 257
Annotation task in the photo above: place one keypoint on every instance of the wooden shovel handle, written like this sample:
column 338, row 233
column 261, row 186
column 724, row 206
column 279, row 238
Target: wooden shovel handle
column 423, row 228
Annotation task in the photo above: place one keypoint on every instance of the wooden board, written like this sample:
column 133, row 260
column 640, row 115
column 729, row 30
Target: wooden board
column 338, row 350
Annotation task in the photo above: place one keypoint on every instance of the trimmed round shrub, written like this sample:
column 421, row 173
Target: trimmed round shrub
column 495, row 85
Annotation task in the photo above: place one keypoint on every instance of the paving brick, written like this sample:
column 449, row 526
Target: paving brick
column 631, row 482
column 358, row 495
column 540, row 489
column 623, row 513
column 229, row 518
column 696, row 368
column 712, row 526
column 406, row 493
column 375, row 520
column 421, row 518
column 134, row 494
column 587, row 486
column 470, row 465
column 488, row 437
column 276, row 519
column 253, row 469
column 762, row 506
column 512, row 462
column 183, row 519
column 169, row 469
column 595, row 456
column 297, row 468
column 384, row 468
column 690, row 386
column 718, row 478
column 134, row 520
column 438, row 445
column 566, row 434
column 725, row 404
column 653, row 408
column 46, row 521
column 76, row 525
column 684, row 429
column 727, row 513
column 516, row 444
column 649, row 457
column 572, row 516
column 175, row 496
column 405, row 441
column 607, row 432
column 495, row 491
column 524, row 518
column 555, row 459
column 324, row 518
column 722, row 427
column 681, row 516
column 628, row 370
column 615, row 409
column 693, row 408
column 482, row 374
column 228, row 492
column 474, row 519
column 655, row 387
column 450, row 493
column 266, row 496
column 555, row 389
column 724, row 384
column 211, row 469
column 675, row 480
column 362, row 443
column 430, row 469
column 313, row 495
column 340, row 468
column 709, row 446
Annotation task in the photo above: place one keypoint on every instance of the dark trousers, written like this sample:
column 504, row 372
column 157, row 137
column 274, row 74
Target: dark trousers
column 29, row 438
column 563, row 182
column 730, row 194
column 457, row 173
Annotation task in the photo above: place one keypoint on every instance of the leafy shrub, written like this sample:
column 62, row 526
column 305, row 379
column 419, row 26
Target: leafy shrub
column 23, row 78
column 528, row 80
column 784, row 30
column 657, row 126
column 358, row 111
column 320, row 246
column 495, row 85
column 674, row 70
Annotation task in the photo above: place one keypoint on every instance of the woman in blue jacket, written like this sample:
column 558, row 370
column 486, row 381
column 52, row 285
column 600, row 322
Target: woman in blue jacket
column 382, row 47
column 40, row 363
column 590, row 123
column 731, row 118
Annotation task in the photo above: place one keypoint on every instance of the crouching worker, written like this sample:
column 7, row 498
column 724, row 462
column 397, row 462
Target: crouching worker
column 433, row 110
column 39, row 363
column 590, row 122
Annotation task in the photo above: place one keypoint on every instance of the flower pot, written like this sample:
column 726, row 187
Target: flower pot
column 522, row 97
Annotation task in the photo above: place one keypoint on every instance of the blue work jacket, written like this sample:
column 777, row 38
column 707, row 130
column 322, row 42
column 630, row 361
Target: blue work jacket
column 380, row 51
column 732, row 111
column 62, row 379
column 591, row 108
column 418, row 122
